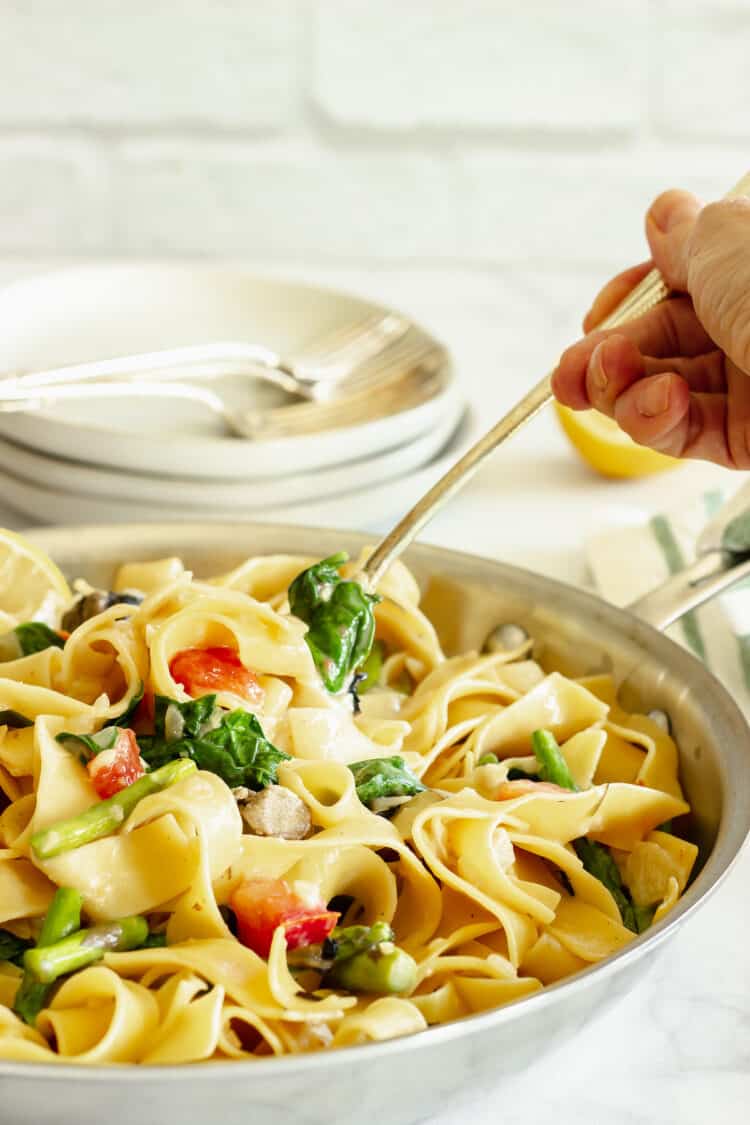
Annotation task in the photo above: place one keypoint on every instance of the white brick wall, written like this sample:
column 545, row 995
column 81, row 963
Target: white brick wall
column 148, row 64
column 481, row 64
column 438, row 137
column 283, row 201
column 707, row 94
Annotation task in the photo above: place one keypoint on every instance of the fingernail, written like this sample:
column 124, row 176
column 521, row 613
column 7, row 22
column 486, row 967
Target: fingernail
column 669, row 210
column 596, row 368
column 653, row 397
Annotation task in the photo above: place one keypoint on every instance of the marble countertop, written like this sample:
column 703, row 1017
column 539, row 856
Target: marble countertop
column 677, row 1048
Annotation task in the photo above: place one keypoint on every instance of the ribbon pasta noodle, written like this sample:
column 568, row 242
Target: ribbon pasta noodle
column 489, row 878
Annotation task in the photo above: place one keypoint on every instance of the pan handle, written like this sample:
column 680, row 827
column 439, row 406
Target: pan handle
column 723, row 550
column 708, row 576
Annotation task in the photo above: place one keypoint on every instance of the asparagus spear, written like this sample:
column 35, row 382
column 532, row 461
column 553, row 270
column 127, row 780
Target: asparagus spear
column 62, row 918
column 598, row 861
column 85, row 947
column 366, row 960
column 105, row 817
column 552, row 765
column 346, row 941
column 382, row 968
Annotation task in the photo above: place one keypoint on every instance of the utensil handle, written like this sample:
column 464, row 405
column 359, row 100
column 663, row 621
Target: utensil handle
column 15, row 400
column 649, row 292
column 707, row 577
column 156, row 363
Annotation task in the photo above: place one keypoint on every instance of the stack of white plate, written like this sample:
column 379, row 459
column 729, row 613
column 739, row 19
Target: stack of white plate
column 95, row 460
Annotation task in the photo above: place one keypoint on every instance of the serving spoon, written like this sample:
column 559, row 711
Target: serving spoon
column 651, row 291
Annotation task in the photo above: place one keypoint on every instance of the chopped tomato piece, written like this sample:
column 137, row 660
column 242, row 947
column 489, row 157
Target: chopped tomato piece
column 201, row 671
column 261, row 905
column 509, row 790
column 115, row 769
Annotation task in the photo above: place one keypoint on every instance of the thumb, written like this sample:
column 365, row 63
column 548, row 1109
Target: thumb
column 670, row 222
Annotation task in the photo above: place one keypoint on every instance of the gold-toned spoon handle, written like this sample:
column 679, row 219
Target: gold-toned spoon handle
column 648, row 293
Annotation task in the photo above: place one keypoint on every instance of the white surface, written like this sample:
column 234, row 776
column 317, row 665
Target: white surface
column 676, row 1049
column 47, row 322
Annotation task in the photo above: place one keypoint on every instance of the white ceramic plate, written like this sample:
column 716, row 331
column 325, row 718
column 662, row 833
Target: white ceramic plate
column 371, row 507
column 102, row 311
column 92, row 480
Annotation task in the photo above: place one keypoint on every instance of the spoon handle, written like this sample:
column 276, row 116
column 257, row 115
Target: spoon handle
column 649, row 292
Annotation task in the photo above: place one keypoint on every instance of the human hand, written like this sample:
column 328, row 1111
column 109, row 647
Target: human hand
column 677, row 379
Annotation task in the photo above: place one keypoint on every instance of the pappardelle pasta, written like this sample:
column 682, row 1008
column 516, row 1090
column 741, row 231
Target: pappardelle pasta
column 264, row 814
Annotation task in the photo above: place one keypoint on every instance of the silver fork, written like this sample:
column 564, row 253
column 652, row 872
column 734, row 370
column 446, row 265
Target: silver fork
column 317, row 371
column 405, row 374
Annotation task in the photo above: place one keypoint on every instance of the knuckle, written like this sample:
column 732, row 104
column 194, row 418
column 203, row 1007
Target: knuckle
column 720, row 228
column 708, row 237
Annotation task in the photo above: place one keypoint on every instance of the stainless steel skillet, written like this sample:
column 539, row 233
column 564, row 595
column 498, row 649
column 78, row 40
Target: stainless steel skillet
column 406, row 1080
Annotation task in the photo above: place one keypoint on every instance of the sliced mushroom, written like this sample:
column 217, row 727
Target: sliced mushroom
column 662, row 719
column 277, row 811
column 505, row 638
column 93, row 603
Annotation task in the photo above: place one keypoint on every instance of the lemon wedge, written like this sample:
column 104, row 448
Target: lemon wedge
column 32, row 588
column 603, row 445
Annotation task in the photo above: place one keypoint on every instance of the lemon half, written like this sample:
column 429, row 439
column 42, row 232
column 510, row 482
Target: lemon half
column 32, row 588
column 603, row 445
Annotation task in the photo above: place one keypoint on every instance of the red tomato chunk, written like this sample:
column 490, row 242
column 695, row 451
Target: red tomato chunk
column 261, row 905
column 202, row 671
column 115, row 769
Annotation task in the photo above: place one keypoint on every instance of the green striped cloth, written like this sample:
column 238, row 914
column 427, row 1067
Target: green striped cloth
column 626, row 563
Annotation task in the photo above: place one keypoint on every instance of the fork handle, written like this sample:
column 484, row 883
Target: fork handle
column 15, row 399
column 646, row 295
column 194, row 359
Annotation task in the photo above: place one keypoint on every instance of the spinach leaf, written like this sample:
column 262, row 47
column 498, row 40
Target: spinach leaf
column 25, row 639
column 597, row 860
column 87, row 746
column 230, row 744
column 384, row 777
column 12, row 948
column 340, row 617
column 34, row 636
column 193, row 717
column 371, row 668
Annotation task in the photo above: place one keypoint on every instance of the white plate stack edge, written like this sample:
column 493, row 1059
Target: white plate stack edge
column 150, row 460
